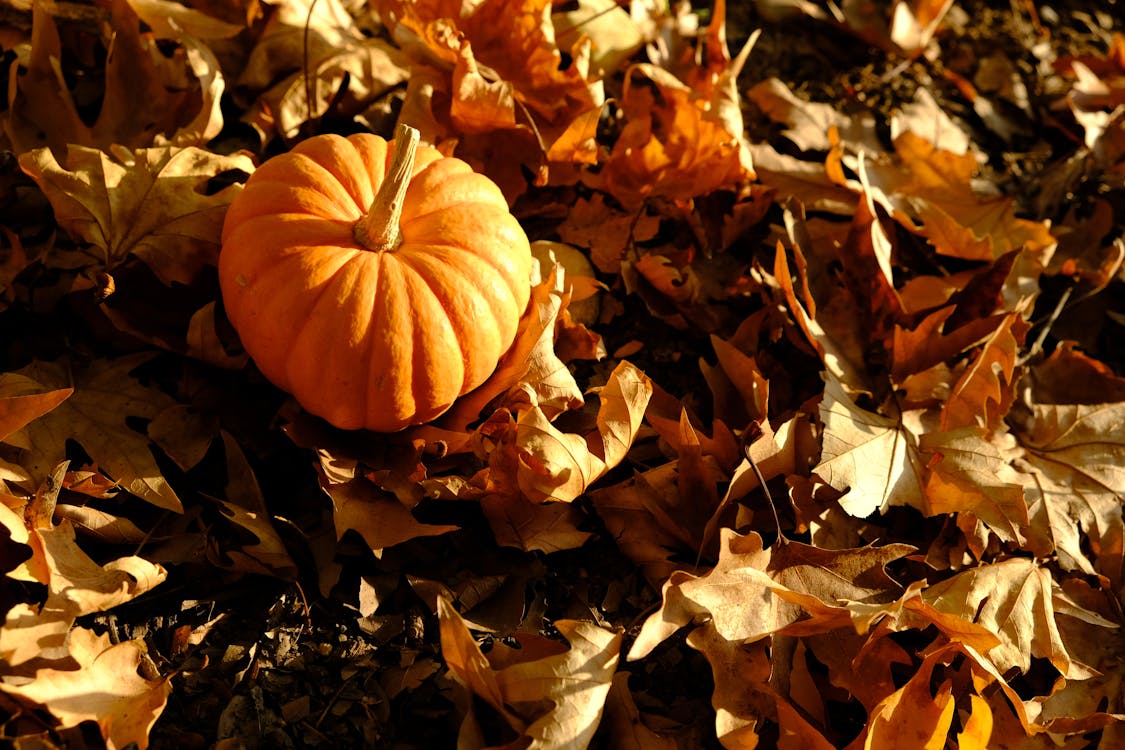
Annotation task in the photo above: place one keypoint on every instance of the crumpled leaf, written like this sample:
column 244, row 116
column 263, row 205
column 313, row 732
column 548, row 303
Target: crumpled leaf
column 672, row 145
column 557, row 466
column 313, row 56
column 511, row 41
column 143, row 103
column 985, row 390
column 104, row 397
column 149, row 203
column 549, row 693
column 106, row 689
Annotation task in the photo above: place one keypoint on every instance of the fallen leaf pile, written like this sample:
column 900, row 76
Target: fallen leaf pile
column 812, row 434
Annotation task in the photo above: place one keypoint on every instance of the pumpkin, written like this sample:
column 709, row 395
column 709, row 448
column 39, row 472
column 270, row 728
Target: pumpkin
column 375, row 281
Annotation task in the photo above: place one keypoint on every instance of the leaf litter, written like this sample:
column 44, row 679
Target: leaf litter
column 812, row 434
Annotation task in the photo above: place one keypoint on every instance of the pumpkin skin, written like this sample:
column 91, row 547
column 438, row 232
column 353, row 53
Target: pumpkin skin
column 375, row 339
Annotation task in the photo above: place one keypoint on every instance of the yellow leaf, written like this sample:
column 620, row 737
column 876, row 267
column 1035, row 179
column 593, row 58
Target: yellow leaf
column 871, row 456
column 106, row 688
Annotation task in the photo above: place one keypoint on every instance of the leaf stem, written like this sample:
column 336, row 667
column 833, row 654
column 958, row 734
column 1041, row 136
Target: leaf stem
column 378, row 229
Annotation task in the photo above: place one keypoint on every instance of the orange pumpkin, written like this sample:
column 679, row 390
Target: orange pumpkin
column 375, row 281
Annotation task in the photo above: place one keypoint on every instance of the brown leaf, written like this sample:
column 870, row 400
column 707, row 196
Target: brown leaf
column 671, row 146
column 314, row 61
column 18, row 408
column 753, row 592
column 935, row 187
column 144, row 101
column 985, row 389
column 969, row 475
column 378, row 516
column 105, row 396
column 148, row 203
column 76, row 585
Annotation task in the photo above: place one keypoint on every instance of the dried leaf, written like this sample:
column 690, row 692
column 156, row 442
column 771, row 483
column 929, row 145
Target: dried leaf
column 378, row 516
column 1015, row 599
column 144, row 101
column 106, row 688
column 105, row 396
column 871, row 456
column 549, row 693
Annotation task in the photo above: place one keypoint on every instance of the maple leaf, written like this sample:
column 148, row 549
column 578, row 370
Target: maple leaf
column 664, row 510
column 377, row 515
column 1072, row 472
column 514, row 39
column 144, row 101
column 550, row 694
column 148, row 203
column 106, row 689
column 1016, row 599
column 105, row 396
column 753, row 592
column 873, row 457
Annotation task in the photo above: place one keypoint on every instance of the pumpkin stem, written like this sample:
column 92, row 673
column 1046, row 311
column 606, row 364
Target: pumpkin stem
column 378, row 229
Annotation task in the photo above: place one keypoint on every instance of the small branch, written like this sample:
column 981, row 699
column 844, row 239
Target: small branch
column 378, row 229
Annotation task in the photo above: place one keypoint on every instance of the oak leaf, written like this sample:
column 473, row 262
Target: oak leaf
column 150, row 203
column 105, row 397
column 106, row 688
column 550, row 694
